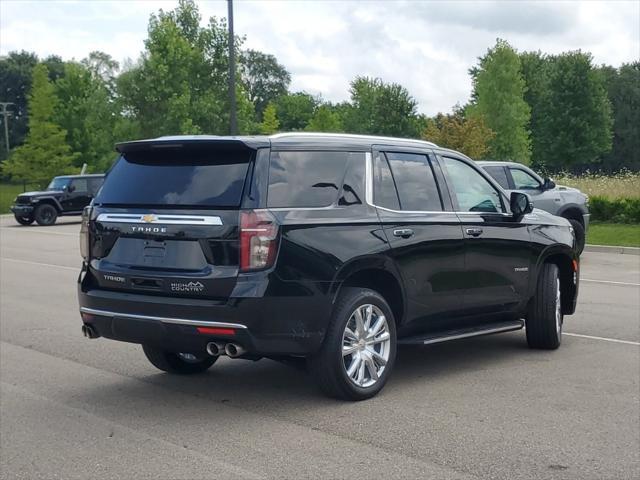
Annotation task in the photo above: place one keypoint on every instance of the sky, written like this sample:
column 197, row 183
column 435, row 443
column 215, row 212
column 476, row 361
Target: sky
column 427, row 46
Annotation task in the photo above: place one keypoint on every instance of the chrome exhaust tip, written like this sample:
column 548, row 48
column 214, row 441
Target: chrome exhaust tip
column 89, row 332
column 233, row 350
column 215, row 349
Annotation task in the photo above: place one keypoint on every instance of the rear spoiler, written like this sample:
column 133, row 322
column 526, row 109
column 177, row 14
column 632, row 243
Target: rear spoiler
column 196, row 142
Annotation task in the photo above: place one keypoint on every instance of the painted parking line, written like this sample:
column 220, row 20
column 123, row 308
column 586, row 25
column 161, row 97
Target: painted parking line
column 604, row 339
column 75, row 269
column 610, row 282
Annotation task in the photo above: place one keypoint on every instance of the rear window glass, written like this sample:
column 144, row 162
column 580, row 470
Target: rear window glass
column 184, row 177
column 499, row 174
column 414, row 181
column 306, row 179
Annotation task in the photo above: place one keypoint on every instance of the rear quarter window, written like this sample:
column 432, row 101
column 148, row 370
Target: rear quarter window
column 309, row 179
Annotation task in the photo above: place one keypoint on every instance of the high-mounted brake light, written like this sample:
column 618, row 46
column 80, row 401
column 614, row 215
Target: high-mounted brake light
column 258, row 240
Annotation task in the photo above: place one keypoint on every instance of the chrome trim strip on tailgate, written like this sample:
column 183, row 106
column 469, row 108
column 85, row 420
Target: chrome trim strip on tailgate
column 160, row 218
column 179, row 321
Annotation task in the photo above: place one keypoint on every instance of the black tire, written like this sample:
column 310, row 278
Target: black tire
column 171, row 362
column 328, row 364
column 24, row 220
column 544, row 330
column 579, row 232
column 46, row 214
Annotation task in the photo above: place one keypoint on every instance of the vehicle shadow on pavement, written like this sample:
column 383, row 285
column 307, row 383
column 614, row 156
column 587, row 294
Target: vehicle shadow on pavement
column 273, row 386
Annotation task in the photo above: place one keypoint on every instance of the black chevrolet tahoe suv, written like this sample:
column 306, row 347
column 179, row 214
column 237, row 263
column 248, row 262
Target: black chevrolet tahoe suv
column 67, row 195
column 333, row 248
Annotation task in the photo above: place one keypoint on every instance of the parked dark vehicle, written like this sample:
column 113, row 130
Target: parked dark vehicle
column 66, row 195
column 566, row 202
column 333, row 248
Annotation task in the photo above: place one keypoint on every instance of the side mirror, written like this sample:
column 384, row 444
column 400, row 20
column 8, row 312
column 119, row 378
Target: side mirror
column 70, row 188
column 520, row 204
column 548, row 184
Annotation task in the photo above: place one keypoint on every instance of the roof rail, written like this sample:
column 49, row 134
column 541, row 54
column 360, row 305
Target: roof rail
column 351, row 135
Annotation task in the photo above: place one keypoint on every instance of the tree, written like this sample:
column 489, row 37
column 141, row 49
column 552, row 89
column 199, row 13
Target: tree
column 270, row 121
column 86, row 110
column 294, row 110
column 469, row 135
column 325, row 119
column 44, row 153
column 623, row 89
column 264, row 79
column 16, row 71
column 180, row 83
column 381, row 109
column 575, row 126
column 498, row 94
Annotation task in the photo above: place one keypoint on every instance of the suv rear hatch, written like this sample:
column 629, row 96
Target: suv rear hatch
column 166, row 219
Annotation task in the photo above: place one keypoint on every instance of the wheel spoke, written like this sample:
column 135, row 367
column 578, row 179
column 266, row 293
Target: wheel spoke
column 379, row 359
column 350, row 334
column 371, row 367
column 355, row 364
column 377, row 327
column 359, row 323
column 381, row 338
column 361, row 368
column 369, row 315
column 348, row 349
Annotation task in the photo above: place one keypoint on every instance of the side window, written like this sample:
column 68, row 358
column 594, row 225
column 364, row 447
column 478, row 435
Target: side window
column 523, row 181
column 384, row 188
column 414, row 181
column 499, row 174
column 80, row 185
column 95, row 184
column 306, row 179
column 472, row 191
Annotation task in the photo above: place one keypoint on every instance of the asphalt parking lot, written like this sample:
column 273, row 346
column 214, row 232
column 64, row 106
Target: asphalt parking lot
column 479, row 408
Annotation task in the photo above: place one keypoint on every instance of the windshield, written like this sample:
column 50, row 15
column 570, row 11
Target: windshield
column 179, row 178
column 58, row 183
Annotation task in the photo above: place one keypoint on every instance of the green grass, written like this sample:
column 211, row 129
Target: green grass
column 617, row 234
column 8, row 192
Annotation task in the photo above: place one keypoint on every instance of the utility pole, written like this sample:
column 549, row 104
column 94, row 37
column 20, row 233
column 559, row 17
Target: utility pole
column 233, row 121
column 6, row 114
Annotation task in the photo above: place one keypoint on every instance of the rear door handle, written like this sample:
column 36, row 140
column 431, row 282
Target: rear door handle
column 474, row 232
column 403, row 232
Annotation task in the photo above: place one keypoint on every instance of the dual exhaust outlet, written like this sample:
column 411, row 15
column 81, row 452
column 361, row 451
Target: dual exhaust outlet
column 231, row 350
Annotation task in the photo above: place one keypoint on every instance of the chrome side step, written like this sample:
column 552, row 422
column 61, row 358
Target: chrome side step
column 488, row 329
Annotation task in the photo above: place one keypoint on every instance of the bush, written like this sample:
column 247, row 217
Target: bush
column 615, row 210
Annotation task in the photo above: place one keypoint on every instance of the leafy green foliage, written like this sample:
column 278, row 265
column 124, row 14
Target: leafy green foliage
column 381, row 108
column 264, row 79
column 574, row 126
column 617, row 210
column 270, row 121
column 623, row 88
column 45, row 152
column 295, row 110
column 499, row 98
column 180, row 85
column 325, row 119
column 469, row 135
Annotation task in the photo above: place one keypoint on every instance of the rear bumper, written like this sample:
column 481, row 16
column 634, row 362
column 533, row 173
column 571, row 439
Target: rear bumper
column 22, row 210
column 266, row 324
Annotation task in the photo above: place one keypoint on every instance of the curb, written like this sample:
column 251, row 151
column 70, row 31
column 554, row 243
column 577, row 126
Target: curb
column 608, row 249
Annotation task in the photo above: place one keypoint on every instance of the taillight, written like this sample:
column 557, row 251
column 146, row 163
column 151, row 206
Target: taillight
column 258, row 240
column 84, row 233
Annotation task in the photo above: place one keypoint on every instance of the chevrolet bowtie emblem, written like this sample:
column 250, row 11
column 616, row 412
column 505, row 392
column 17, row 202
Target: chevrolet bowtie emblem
column 149, row 218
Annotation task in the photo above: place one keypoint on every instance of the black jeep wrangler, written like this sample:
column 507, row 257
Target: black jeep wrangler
column 66, row 195
column 333, row 248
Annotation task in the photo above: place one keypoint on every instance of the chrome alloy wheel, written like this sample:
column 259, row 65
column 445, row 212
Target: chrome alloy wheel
column 188, row 357
column 366, row 343
column 558, row 308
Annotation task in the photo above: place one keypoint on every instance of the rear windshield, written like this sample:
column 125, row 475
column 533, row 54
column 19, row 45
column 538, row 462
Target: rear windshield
column 182, row 178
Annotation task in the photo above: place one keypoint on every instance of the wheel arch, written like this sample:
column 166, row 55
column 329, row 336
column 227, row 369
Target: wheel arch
column 573, row 212
column 377, row 273
column 50, row 201
column 567, row 265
